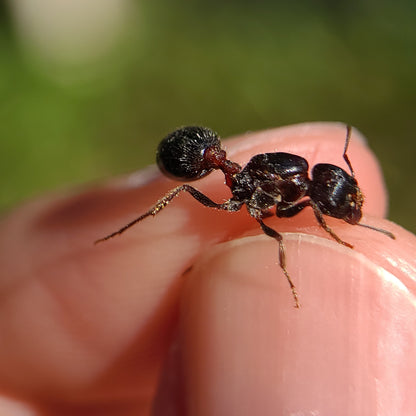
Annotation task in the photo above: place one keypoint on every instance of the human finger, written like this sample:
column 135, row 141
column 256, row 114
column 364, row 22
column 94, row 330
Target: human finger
column 115, row 303
column 244, row 348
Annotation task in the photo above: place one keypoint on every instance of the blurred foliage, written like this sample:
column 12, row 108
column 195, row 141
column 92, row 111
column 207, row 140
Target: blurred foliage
column 233, row 66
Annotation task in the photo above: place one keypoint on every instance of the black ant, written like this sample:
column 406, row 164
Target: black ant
column 269, row 180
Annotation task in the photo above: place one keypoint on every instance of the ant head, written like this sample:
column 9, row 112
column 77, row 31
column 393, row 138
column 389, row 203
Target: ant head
column 336, row 193
column 183, row 154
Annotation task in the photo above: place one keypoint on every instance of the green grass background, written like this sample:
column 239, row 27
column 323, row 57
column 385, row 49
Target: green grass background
column 233, row 66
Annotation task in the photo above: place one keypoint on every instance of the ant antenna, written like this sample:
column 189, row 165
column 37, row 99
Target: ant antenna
column 347, row 142
column 380, row 230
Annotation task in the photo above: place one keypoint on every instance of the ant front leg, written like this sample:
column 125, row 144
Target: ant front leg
column 292, row 210
column 282, row 257
column 295, row 209
column 320, row 218
column 162, row 203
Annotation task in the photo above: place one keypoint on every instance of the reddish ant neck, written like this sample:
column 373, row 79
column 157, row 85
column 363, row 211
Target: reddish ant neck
column 217, row 158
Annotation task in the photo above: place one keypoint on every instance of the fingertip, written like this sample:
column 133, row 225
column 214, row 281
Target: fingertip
column 246, row 348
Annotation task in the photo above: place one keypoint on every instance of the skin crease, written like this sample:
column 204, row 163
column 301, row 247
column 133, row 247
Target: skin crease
column 189, row 313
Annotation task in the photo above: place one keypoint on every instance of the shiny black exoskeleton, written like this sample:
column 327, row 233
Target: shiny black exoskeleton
column 269, row 181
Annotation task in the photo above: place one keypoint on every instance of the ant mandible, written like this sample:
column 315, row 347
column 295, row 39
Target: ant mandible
column 269, row 180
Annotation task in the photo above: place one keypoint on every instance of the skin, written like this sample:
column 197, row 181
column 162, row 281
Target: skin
column 189, row 312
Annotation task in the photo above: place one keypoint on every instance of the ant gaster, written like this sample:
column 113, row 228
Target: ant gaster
column 269, row 180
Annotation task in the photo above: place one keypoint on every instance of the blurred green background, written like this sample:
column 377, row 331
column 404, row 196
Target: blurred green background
column 88, row 88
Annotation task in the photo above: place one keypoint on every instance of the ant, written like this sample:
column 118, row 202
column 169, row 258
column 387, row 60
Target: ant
column 267, row 181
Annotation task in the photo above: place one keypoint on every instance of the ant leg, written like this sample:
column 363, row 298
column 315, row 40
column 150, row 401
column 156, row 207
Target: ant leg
column 291, row 211
column 266, row 214
column 162, row 203
column 282, row 257
column 320, row 218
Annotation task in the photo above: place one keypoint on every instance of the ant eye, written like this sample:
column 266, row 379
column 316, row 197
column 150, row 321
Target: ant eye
column 180, row 155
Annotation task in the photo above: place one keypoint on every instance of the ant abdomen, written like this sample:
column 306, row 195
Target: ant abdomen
column 181, row 154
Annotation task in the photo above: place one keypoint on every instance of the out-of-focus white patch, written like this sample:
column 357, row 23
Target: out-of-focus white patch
column 136, row 179
column 142, row 177
column 15, row 408
column 71, row 32
column 306, row 413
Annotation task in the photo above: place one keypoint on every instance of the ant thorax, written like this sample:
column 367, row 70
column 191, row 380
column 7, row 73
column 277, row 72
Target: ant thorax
column 270, row 180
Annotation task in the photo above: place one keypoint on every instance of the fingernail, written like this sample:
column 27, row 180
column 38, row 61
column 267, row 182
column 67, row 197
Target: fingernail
column 349, row 349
